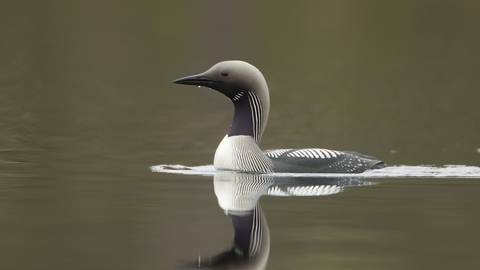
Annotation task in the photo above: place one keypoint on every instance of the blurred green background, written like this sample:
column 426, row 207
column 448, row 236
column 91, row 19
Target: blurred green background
column 371, row 76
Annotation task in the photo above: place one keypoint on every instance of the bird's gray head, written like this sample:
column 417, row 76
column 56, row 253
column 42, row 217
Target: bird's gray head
column 246, row 87
column 231, row 78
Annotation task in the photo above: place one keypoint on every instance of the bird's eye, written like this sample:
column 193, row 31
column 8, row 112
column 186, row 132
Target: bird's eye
column 224, row 74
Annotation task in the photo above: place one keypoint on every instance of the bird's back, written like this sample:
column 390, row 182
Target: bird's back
column 316, row 160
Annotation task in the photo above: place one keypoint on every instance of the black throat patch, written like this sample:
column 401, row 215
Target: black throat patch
column 242, row 123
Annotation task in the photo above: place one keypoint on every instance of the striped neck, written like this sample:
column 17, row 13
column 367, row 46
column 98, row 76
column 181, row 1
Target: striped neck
column 250, row 116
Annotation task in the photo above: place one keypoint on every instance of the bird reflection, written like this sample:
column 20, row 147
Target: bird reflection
column 238, row 195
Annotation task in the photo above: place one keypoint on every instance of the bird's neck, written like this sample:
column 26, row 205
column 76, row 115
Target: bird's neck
column 250, row 116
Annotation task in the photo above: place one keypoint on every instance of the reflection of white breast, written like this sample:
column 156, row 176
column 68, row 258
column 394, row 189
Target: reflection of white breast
column 241, row 153
column 238, row 192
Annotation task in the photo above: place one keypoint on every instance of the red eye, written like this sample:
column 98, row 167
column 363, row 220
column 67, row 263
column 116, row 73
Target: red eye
column 224, row 74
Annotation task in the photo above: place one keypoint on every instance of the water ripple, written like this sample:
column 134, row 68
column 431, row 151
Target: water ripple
column 423, row 171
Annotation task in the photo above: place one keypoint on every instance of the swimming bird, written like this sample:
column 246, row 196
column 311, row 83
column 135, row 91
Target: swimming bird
column 239, row 150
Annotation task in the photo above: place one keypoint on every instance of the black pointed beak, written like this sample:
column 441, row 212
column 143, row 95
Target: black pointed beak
column 198, row 80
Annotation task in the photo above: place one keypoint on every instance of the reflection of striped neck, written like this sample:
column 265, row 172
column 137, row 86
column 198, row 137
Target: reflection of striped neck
column 250, row 116
column 250, row 232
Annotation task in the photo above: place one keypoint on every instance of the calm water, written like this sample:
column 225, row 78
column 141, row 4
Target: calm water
column 87, row 107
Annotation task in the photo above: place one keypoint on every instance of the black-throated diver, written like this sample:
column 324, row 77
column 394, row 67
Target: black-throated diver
column 246, row 87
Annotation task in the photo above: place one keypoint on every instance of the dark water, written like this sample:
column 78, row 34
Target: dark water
column 87, row 106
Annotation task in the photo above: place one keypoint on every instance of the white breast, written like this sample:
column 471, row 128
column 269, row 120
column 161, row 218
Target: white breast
column 241, row 153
